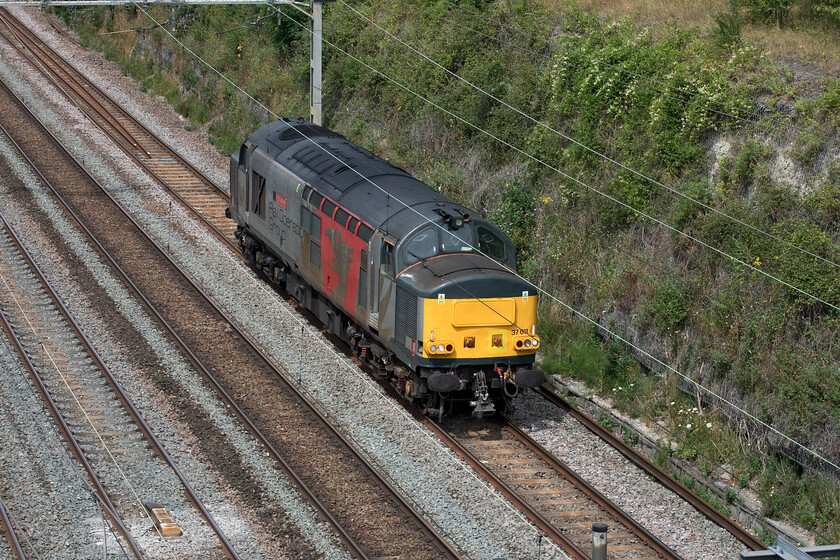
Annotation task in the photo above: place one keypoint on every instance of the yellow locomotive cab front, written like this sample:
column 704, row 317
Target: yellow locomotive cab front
column 471, row 329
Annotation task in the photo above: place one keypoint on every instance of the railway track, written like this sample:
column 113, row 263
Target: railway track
column 200, row 196
column 106, row 433
column 556, row 499
column 374, row 514
column 641, row 461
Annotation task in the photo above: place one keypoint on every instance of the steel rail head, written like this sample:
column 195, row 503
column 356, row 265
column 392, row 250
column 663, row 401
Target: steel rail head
column 144, row 164
column 532, row 515
column 174, row 154
column 40, row 60
column 426, row 526
column 156, row 445
column 11, row 536
column 661, row 549
column 129, row 406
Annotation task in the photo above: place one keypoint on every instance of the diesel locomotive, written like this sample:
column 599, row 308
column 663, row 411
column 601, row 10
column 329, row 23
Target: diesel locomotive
column 420, row 288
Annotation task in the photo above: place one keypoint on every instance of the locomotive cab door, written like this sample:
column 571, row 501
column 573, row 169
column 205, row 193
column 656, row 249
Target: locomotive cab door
column 384, row 300
column 244, row 182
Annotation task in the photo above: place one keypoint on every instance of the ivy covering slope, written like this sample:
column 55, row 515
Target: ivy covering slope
column 656, row 268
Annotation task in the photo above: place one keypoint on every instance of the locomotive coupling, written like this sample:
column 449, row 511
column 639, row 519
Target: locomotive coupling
column 483, row 408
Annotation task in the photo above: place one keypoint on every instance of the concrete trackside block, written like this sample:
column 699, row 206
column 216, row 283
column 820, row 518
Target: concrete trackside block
column 164, row 523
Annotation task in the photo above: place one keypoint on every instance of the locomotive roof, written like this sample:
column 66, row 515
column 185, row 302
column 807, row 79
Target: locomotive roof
column 364, row 184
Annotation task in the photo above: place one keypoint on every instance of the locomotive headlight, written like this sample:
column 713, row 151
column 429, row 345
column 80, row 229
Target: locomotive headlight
column 440, row 348
column 535, row 342
column 527, row 343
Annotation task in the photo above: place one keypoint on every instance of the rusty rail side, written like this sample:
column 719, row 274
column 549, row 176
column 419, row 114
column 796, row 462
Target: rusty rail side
column 11, row 537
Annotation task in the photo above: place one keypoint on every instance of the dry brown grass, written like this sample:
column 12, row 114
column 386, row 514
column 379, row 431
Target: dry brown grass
column 685, row 13
column 807, row 38
column 797, row 45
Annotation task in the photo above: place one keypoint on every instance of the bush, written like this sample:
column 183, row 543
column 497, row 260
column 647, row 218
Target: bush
column 828, row 7
column 668, row 310
column 767, row 536
column 605, row 421
column 767, row 11
column 728, row 29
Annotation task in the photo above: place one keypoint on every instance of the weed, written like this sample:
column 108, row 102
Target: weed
column 728, row 29
column 605, row 420
column 767, row 536
column 605, row 259
column 662, row 456
column 631, row 438
column 686, row 451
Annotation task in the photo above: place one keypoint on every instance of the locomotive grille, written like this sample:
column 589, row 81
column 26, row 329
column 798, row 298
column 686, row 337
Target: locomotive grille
column 405, row 325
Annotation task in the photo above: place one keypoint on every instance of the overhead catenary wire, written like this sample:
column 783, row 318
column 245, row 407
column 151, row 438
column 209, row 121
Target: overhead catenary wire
column 777, row 125
column 708, row 391
column 712, row 209
column 551, row 296
column 582, row 183
column 353, row 371
column 767, row 496
column 567, row 306
column 796, row 131
column 536, row 121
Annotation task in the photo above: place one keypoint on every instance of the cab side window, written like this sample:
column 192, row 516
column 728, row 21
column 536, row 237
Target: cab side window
column 491, row 245
column 243, row 154
column 311, row 224
column 363, row 265
column 422, row 246
column 388, row 258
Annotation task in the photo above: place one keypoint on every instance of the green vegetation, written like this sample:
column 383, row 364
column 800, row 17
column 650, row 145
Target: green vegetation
column 716, row 316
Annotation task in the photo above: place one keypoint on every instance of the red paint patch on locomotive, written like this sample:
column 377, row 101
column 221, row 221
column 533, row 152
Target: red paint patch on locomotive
column 341, row 253
column 281, row 202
